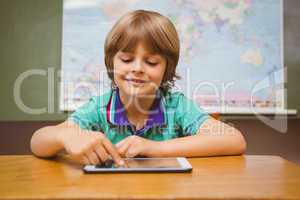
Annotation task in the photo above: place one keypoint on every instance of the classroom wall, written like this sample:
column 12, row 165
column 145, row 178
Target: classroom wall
column 31, row 39
column 292, row 51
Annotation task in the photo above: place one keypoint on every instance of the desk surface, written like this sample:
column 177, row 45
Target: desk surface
column 229, row 177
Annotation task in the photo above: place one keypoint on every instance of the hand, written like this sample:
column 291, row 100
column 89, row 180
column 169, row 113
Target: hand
column 134, row 146
column 89, row 147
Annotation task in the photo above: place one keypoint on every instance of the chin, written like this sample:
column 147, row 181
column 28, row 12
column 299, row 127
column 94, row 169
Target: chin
column 138, row 91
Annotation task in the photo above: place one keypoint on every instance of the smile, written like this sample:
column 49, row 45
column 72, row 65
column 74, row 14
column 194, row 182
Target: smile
column 138, row 81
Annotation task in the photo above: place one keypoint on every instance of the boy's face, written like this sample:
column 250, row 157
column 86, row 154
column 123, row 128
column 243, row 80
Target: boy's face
column 139, row 73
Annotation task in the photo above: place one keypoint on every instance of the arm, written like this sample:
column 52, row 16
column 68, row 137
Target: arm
column 86, row 147
column 214, row 138
column 45, row 141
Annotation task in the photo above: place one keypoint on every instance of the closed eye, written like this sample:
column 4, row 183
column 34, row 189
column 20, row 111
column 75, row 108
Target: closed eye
column 126, row 60
column 151, row 63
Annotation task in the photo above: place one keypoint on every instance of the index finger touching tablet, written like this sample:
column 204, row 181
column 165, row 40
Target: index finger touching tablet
column 113, row 152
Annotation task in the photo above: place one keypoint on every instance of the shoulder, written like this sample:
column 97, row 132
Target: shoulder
column 187, row 113
column 173, row 99
column 89, row 115
column 95, row 104
column 102, row 100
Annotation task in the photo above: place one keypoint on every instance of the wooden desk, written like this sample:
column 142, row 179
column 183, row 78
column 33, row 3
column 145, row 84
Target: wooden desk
column 232, row 177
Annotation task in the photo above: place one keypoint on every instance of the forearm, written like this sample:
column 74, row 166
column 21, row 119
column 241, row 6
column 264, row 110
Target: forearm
column 45, row 143
column 199, row 145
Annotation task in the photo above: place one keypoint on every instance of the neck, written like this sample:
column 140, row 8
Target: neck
column 135, row 105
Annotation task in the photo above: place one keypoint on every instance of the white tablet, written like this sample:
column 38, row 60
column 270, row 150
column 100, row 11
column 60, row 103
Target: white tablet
column 143, row 165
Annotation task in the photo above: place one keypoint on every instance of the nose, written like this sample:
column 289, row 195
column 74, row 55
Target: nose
column 137, row 66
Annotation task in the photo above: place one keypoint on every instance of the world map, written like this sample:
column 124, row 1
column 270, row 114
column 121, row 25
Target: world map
column 231, row 50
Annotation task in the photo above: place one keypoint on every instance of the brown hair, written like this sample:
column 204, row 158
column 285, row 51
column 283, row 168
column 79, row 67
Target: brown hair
column 155, row 31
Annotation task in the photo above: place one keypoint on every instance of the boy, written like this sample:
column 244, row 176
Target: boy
column 139, row 116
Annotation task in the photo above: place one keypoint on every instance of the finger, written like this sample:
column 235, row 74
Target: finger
column 122, row 142
column 93, row 158
column 85, row 160
column 101, row 153
column 131, row 151
column 112, row 151
column 123, row 148
column 81, row 159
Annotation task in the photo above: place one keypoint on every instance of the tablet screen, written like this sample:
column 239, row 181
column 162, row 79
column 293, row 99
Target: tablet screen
column 145, row 163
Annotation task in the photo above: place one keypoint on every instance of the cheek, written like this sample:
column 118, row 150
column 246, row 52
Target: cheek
column 119, row 69
column 158, row 74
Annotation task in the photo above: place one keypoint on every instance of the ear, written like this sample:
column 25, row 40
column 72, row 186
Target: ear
column 113, row 85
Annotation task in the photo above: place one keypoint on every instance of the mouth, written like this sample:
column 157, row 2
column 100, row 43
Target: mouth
column 136, row 81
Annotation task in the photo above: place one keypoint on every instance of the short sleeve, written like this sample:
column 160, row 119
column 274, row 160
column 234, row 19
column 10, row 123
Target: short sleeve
column 88, row 115
column 189, row 116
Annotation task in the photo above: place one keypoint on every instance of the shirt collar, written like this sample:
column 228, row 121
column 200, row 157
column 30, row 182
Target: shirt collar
column 116, row 113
